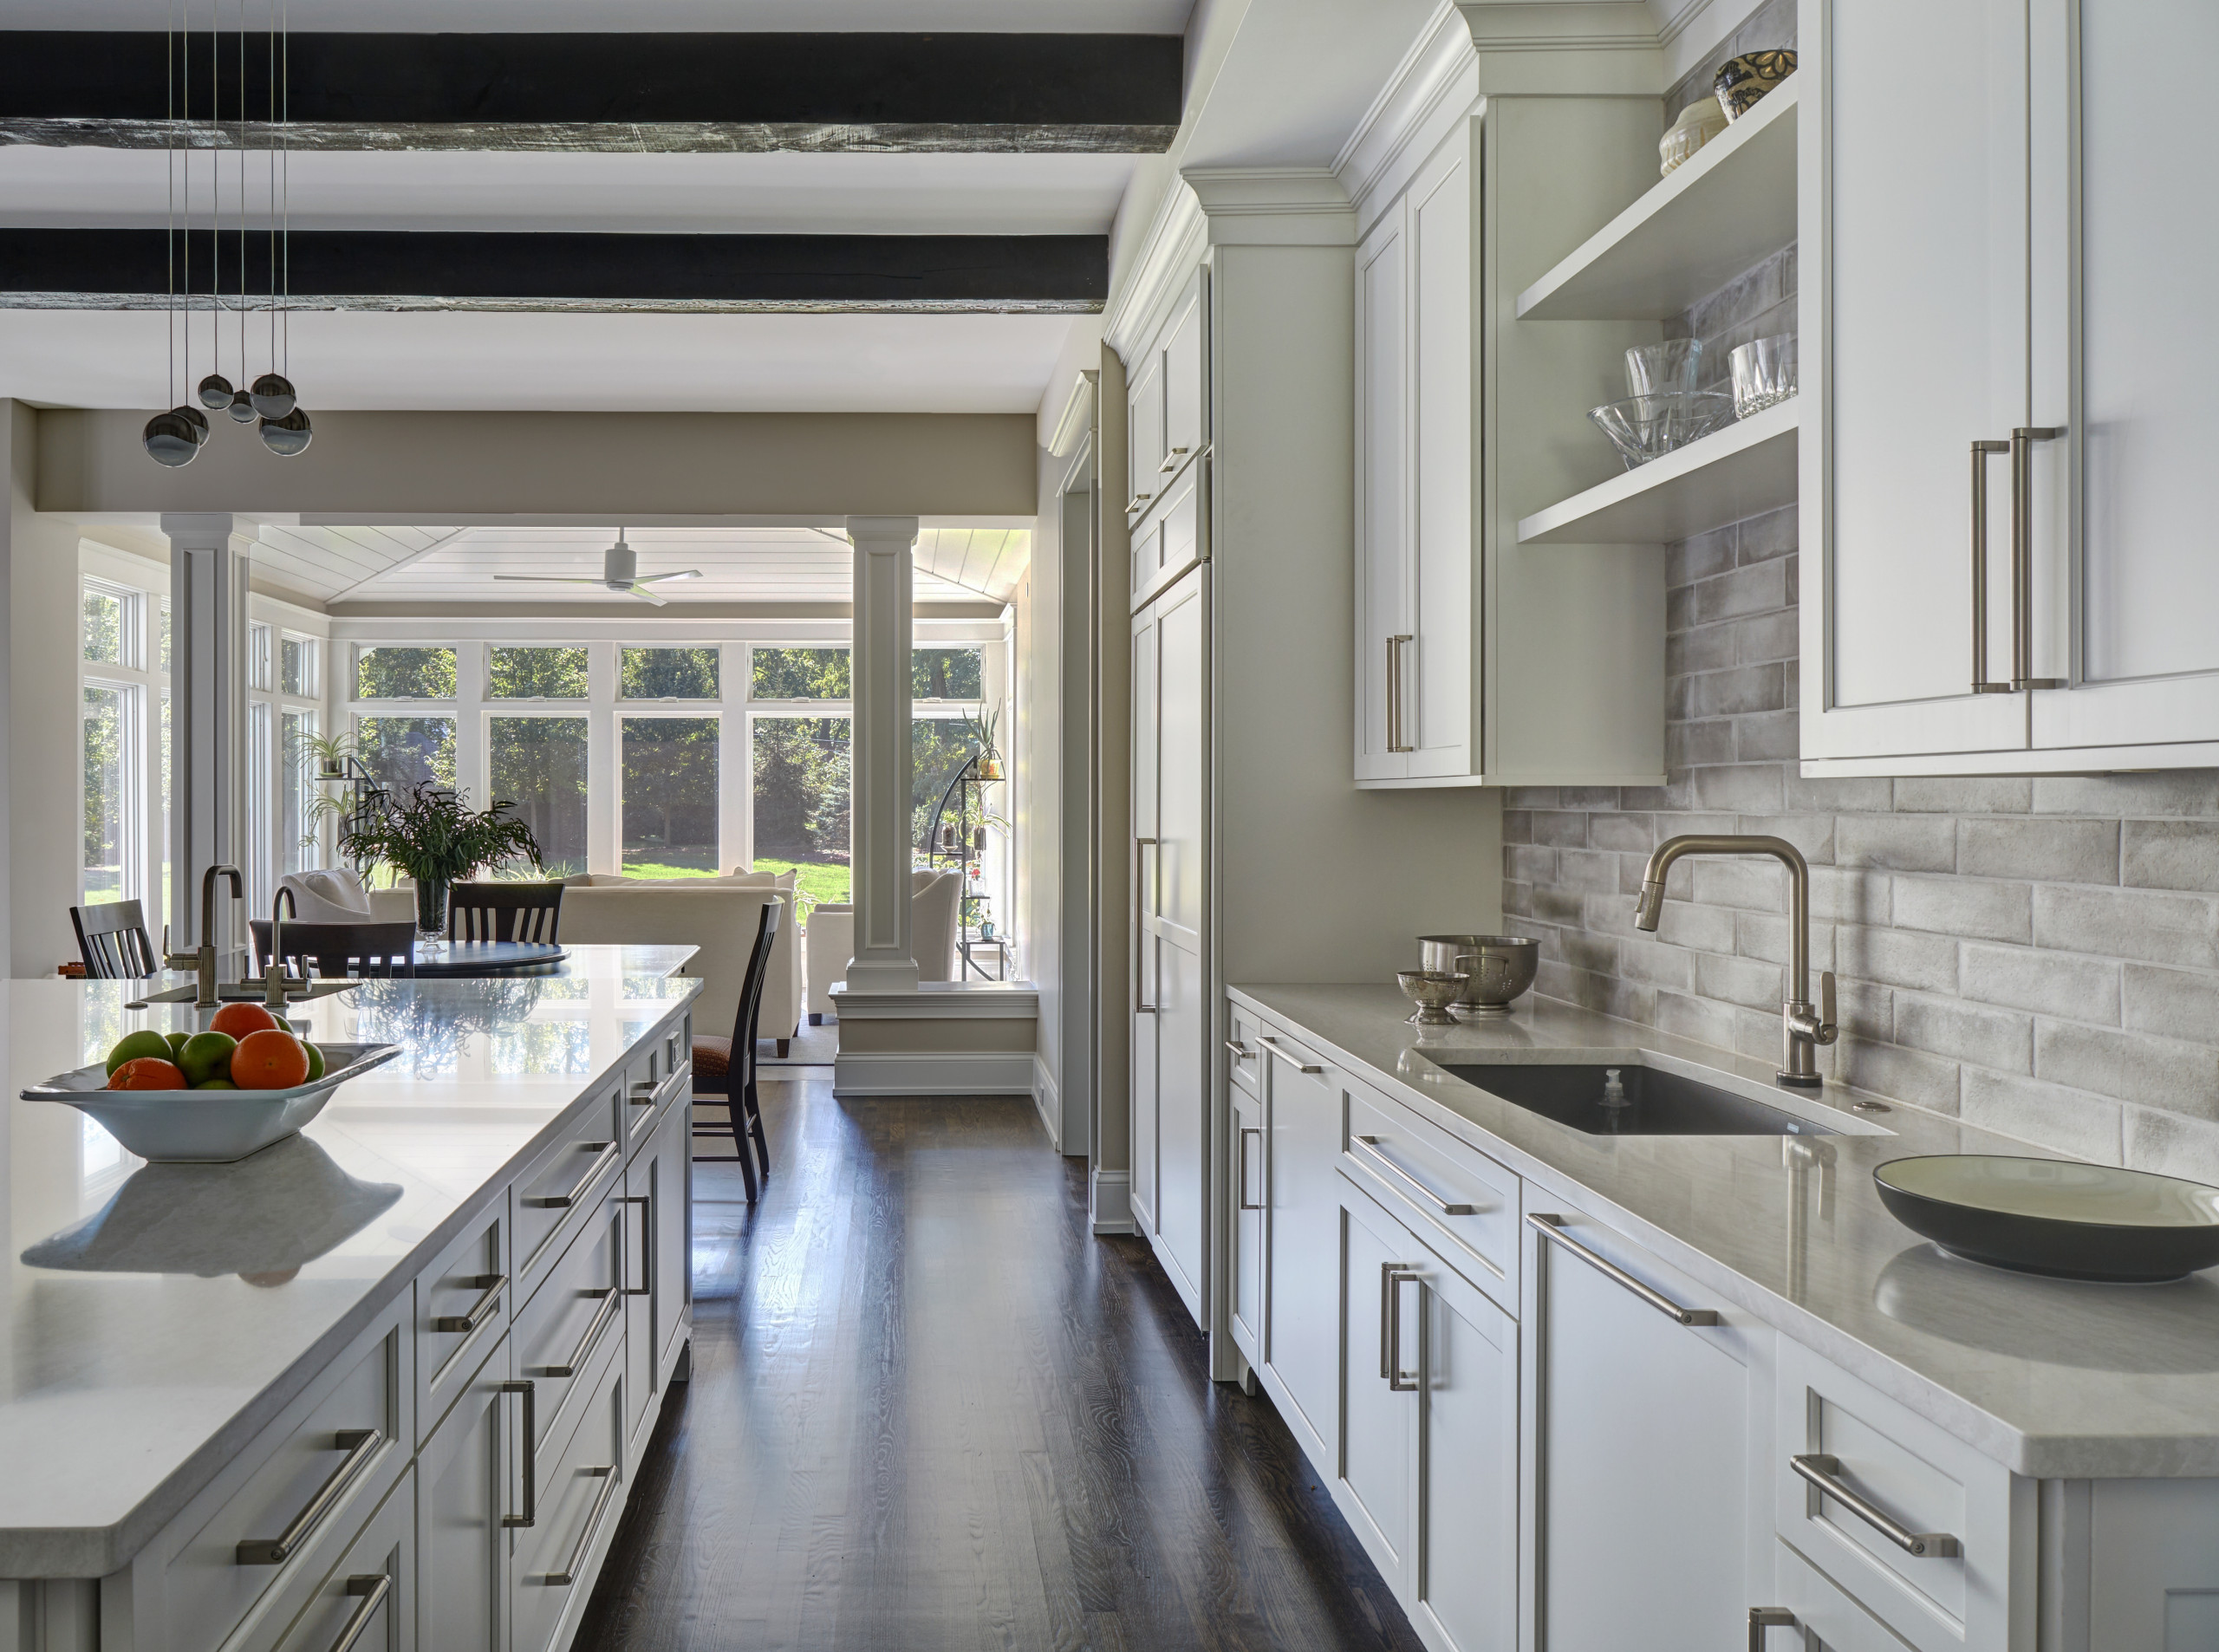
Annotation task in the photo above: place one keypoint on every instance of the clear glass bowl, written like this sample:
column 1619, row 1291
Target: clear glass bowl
column 1764, row 373
column 1661, row 369
column 1646, row 427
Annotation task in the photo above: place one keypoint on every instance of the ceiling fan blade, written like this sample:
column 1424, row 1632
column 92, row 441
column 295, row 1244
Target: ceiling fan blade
column 544, row 579
column 647, row 595
column 683, row 573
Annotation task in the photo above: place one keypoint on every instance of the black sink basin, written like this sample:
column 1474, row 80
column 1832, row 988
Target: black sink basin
column 1647, row 1101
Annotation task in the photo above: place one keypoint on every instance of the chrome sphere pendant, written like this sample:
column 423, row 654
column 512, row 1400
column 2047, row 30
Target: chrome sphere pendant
column 287, row 436
column 173, row 438
column 242, row 408
column 272, row 395
column 215, row 392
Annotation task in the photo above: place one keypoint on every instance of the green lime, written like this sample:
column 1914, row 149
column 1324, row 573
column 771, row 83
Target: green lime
column 315, row 1060
column 206, row 1056
column 216, row 1084
column 135, row 1045
column 176, row 1042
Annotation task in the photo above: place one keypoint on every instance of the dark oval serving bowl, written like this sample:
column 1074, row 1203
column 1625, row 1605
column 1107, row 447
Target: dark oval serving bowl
column 2055, row 1217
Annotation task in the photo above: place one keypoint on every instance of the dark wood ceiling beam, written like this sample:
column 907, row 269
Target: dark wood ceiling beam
column 51, row 269
column 738, row 93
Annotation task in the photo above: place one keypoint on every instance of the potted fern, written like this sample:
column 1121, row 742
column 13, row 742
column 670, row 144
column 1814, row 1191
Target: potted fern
column 434, row 837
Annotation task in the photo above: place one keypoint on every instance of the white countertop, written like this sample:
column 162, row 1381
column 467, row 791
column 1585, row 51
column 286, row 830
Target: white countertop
column 143, row 1349
column 2052, row 1378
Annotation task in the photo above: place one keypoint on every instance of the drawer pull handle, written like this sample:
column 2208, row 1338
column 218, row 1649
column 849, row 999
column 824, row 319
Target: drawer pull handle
column 1137, row 501
column 1296, row 1062
column 1245, row 1202
column 371, row 1591
column 480, row 1310
column 1238, row 1050
column 530, row 1390
column 1172, row 464
column 645, row 1202
column 361, row 1446
column 1393, row 1276
column 1141, row 1006
column 649, row 1092
column 1823, row 1471
column 1372, row 1158
column 569, row 1575
column 609, row 1303
column 602, row 1152
column 1552, row 1227
column 1767, row 1617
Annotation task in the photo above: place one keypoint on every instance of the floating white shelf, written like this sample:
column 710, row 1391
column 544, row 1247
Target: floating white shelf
column 1704, row 223
column 1739, row 471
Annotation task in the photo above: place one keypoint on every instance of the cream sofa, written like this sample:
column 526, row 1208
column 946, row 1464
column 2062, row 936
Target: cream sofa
column 935, row 914
column 717, row 915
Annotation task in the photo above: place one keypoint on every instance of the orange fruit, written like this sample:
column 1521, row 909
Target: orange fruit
column 239, row 1019
column 147, row 1072
column 270, row 1060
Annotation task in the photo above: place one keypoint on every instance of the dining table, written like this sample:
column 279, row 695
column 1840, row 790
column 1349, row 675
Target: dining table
column 448, row 959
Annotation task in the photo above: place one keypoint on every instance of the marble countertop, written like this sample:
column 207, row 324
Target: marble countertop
column 158, row 1316
column 2052, row 1378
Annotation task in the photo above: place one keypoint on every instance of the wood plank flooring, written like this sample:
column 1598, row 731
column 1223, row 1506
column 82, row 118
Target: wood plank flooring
column 930, row 1411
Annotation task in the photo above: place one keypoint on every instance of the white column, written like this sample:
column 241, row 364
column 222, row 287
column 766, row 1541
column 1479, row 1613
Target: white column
column 208, row 749
column 879, row 794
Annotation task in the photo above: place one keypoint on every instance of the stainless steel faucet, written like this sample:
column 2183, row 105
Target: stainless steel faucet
column 1802, row 1029
column 202, row 958
column 275, row 982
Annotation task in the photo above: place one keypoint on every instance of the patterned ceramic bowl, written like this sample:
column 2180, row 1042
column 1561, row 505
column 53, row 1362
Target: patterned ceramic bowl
column 1745, row 78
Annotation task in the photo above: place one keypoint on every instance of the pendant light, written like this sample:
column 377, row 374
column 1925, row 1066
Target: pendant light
column 215, row 390
column 285, row 430
column 173, row 438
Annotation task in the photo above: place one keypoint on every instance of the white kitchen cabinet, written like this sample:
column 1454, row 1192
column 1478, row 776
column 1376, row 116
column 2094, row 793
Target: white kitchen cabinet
column 1378, row 1259
column 467, row 1490
column 1167, row 429
column 2010, row 267
column 657, row 1276
column 1171, row 1068
column 1302, row 1319
column 1250, row 1157
column 1644, row 1443
column 1479, row 661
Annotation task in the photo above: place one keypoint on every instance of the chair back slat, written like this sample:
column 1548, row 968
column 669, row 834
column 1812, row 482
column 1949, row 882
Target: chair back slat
column 112, row 941
column 525, row 912
column 366, row 952
column 750, row 995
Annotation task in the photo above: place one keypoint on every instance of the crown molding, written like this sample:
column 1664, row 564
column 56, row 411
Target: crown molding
column 1175, row 242
column 1303, row 206
column 1557, row 48
column 1078, row 417
column 1436, row 82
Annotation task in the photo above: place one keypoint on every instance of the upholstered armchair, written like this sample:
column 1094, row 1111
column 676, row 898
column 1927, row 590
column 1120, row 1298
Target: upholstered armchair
column 935, row 912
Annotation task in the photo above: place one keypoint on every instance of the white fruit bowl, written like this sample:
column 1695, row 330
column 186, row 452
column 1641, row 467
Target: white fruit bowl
column 207, row 1126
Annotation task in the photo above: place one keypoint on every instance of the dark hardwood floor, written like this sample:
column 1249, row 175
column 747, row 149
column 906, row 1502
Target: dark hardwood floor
column 929, row 1410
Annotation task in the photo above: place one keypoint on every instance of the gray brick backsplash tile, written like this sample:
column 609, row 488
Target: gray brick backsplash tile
column 1534, row 864
column 1813, row 834
column 1719, row 881
column 1912, row 1076
column 1850, row 894
column 1756, row 1035
column 1517, row 899
column 2145, row 924
column 1559, row 828
column 2170, row 1144
column 2066, row 851
column 1964, row 906
column 1643, row 959
column 1516, row 825
column 1587, row 869
column 1772, row 535
column 1686, row 744
column 1529, row 797
column 1829, row 796
column 1747, row 981
column 1698, row 1018
column 2133, row 1067
column 1596, row 954
column 1587, row 797
column 1897, row 957
column 2084, row 989
column 1771, row 937
column 1679, row 608
column 1624, row 833
column 2173, row 792
column 1963, row 795
column 1765, row 735
column 1742, row 789
column 1725, row 693
column 1708, row 647
column 2171, row 855
column 1765, row 636
column 2002, row 1039
column 1761, row 588
column 2066, row 1121
column 1708, row 929
column 1555, row 905
column 1863, row 1011
column 1900, row 843
column 2176, row 1003
column 1689, row 559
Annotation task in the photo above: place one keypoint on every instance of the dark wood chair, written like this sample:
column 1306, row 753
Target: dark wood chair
column 111, row 939
column 528, row 912
column 723, row 1068
column 367, row 952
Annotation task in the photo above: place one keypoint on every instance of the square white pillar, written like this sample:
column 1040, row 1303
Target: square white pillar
column 885, row 959
column 208, row 720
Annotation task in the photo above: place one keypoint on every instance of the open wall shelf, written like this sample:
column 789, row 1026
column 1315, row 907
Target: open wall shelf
column 1746, row 469
column 1706, row 221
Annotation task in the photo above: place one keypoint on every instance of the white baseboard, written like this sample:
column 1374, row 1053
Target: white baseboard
column 939, row 1074
column 1110, row 1202
column 1045, row 1098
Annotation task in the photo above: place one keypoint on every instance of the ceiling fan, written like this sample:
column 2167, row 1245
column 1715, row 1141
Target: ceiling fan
column 620, row 572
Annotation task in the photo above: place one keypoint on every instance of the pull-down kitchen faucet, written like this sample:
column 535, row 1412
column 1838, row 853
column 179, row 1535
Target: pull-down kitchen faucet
column 202, row 958
column 1802, row 1029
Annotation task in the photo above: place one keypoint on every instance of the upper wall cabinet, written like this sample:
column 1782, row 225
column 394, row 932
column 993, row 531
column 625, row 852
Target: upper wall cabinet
column 2010, row 562
column 1481, row 661
column 1167, row 426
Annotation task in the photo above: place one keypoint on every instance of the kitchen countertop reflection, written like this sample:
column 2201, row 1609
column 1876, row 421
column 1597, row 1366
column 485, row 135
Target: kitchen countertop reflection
column 158, row 1316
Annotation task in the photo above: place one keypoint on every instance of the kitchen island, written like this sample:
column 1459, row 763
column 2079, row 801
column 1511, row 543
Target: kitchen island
column 424, row 1342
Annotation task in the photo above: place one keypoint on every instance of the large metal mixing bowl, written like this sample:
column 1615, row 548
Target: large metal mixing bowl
column 1501, row 967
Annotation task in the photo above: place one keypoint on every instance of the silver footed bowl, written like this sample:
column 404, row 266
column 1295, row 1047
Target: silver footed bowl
column 1433, row 992
column 1499, row 967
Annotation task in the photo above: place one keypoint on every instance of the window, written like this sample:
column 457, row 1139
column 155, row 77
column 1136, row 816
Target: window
column 667, row 674
column 404, row 674
column 122, row 761
column 945, row 673
column 261, row 803
column 164, row 738
column 110, row 611
column 258, row 657
column 539, row 765
column 669, row 781
column 165, row 647
column 109, row 713
column 799, row 799
column 535, row 673
column 402, row 752
column 297, row 666
column 800, row 673
column 297, row 821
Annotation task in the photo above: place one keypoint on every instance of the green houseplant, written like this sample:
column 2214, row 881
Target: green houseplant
column 430, row 833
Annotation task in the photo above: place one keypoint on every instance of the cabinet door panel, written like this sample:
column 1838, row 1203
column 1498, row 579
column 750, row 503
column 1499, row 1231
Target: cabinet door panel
column 1143, row 431
column 463, row 1489
column 1182, row 1154
column 1381, row 505
column 1146, row 700
column 1918, row 310
column 1437, row 720
column 1185, row 383
column 1251, row 1169
column 1463, row 1577
column 1183, row 776
column 1302, row 1321
column 1377, row 1455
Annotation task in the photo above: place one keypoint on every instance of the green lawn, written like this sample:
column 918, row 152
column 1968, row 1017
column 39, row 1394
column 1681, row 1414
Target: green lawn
column 655, row 869
column 817, row 880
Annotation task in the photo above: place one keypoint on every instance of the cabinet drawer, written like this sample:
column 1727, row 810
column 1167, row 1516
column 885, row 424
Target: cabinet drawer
column 650, row 1087
column 561, row 1333
column 550, row 1202
column 462, row 1307
column 1244, row 1059
column 581, row 1495
column 331, row 1456
column 1826, row 1620
column 1916, row 1483
column 366, row 1600
column 1452, row 1193
column 1168, row 540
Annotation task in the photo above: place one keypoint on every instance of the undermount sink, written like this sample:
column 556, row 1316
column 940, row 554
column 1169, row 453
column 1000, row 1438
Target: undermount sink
column 1642, row 1100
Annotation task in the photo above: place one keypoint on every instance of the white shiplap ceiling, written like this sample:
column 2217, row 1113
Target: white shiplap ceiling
column 440, row 565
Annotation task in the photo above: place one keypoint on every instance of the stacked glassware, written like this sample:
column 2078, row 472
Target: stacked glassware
column 1665, row 411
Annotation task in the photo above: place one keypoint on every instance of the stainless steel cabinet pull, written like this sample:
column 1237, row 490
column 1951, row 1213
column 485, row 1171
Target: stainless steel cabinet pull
column 1172, row 463
column 1294, row 1061
column 480, row 1310
column 1393, row 1276
column 647, row 1245
column 657, row 1090
column 1137, row 501
column 372, row 1590
column 360, row 1444
column 610, row 1300
column 643, row 1092
column 530, row 1390
column 1395, row 741
column 2022, row 556
column 1823, row 1470
column 1767, row 1617
column 1238, row 1052
column 1140, row 934
column 1245, row 1202
column 1980, row 684
column 1552, row 1227
column 1373, row 1158
column 569, row 1575
column 602, row 1152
